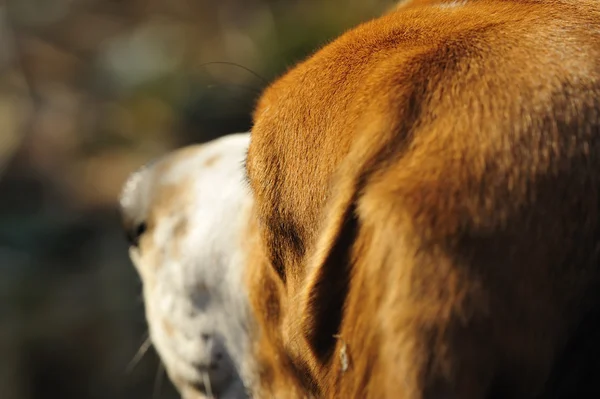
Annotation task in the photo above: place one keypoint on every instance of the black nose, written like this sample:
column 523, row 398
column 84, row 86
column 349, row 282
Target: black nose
column 135, row 233
column 205, row 337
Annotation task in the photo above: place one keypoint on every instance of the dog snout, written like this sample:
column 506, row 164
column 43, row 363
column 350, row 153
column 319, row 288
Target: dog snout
column 216, row 350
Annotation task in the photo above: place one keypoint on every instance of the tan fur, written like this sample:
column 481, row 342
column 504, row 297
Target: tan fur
column 427, row 191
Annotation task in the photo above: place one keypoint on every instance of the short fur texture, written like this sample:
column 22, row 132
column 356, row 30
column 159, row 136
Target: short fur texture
column 193, row 209
column 427, row 193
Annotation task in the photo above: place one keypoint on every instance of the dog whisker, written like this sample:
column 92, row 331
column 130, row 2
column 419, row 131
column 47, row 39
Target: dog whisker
column 158, row 380
column 263, row 80
column 207, row 386
column 139, row 354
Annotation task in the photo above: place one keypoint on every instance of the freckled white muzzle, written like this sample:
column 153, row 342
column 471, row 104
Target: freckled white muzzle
column 187, row 214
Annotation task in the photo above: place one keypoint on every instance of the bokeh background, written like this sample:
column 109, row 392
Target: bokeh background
column 89, row 91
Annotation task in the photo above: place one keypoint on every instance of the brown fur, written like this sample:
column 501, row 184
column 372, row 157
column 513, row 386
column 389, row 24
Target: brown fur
column 427, row 188
column 211, row 161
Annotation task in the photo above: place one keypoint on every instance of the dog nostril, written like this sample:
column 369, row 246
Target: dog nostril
column 136, row 233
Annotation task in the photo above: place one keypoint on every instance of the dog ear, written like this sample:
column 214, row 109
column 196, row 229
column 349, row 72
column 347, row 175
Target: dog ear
column 330, row 262
column 329, row 272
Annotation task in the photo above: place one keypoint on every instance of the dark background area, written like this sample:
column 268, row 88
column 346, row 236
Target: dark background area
column 89, row 91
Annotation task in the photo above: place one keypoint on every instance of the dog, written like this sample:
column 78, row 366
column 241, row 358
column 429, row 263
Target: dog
column 185, row 215
column 422, row 213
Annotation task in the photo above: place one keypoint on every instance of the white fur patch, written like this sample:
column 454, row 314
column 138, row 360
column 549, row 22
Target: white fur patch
column 191, row 263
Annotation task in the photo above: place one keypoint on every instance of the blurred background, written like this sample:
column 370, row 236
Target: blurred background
column 89, row 91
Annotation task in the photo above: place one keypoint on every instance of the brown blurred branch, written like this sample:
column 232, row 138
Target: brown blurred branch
column 20, row 54
column 30, row 87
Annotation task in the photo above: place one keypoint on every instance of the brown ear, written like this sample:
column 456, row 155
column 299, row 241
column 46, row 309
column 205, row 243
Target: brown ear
column 329, row 270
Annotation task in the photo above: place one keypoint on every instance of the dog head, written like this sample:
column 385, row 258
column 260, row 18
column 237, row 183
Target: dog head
column 186, row 216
